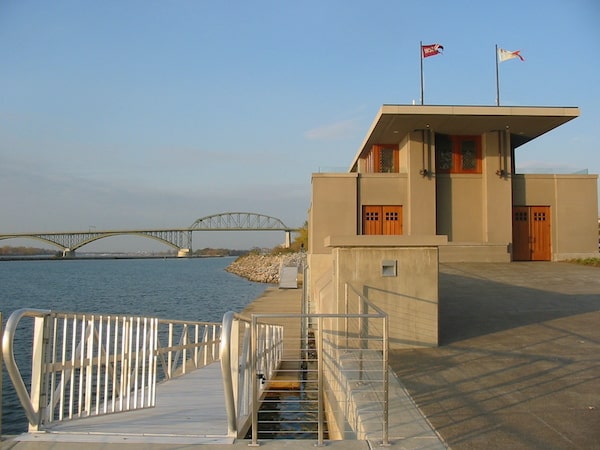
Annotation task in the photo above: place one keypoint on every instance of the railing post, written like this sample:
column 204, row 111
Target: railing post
column 361, row 336
column 226, row 369
column 37, row 370
column 385, row 380
column 1, row 372
column 254, row 381
column 320, row 396
column 170, row 352
column 346, row 312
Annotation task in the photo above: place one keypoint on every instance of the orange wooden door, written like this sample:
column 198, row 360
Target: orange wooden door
column 392, row 219
column 531, row 233
column 372, row 220
column 382, row 219
column 539, row 220
column 520, row 225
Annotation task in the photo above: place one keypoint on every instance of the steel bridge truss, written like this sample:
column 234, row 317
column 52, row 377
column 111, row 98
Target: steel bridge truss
column 71, row 241
column 178, row 238
column 239, row 221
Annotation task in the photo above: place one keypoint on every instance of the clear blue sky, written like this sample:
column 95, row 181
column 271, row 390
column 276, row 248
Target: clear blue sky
column 125, row 114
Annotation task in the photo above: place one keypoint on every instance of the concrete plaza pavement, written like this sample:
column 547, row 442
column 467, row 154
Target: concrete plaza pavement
column 518, row 366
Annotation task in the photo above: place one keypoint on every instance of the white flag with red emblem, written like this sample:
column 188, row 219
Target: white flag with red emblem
column 505, row 55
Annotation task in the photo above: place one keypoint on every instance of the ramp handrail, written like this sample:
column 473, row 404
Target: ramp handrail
column 11, row 366
column 239, row 342
column 91, row 364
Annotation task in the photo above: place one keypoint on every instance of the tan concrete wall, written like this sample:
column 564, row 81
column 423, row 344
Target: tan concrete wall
column 382, row 189
column 420, row 209
column 464, row 252
column 573, row 201
column 477, row 208
column 410, row 298
column 459, row 203
column 497, row 191
column 333, row 208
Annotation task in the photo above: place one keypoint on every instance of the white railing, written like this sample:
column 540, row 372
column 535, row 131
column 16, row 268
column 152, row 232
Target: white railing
column 250, row 353
column 91, row 364
column 1, row 372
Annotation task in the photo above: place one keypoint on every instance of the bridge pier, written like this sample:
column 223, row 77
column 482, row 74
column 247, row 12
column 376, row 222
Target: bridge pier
column 288, row 239
column 184, row 253
column 68, row 253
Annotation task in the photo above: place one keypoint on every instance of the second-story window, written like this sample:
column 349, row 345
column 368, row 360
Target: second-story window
column 383, row 159
column 457, row 154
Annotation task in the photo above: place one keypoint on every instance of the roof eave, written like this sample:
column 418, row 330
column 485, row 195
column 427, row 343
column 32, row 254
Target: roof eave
column 393, row 122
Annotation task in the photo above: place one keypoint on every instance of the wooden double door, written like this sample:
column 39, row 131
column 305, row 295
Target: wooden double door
column 379, row 219
column 531, row 233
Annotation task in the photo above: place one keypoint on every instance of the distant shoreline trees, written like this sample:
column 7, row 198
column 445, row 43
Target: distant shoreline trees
column 25, row 251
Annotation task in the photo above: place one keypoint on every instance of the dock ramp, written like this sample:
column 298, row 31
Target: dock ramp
column 189, row 411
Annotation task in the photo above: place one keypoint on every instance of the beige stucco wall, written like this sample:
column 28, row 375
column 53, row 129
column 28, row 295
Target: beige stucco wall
column 382, row 189
column 476, row 208
column 496, row 190
column 333, row 208
column 419, row 211
column 459, row 203
column 573, row 201
column 410, row 298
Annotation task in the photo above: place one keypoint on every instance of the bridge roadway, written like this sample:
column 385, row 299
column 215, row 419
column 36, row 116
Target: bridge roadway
column 190, row 412
column 177, row 238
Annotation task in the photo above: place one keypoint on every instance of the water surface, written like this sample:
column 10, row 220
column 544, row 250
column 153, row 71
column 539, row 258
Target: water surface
column 186, row 289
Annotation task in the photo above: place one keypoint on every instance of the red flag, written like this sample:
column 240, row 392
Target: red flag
column 431, row 50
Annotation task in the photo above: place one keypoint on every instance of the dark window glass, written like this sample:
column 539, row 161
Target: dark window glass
column 443, row 150
column 468, row 153
column 386, row 163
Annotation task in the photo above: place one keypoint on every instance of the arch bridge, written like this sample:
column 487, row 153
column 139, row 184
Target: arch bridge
column 177, row 238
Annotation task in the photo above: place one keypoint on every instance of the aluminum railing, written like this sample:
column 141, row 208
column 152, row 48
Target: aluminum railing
column 1, row 372
column 250, row 353
column 333, row 380
column 90, row 364
column 342, row 388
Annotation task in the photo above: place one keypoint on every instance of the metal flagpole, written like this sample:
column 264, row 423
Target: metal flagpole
column 497, row 80
column 421, row 56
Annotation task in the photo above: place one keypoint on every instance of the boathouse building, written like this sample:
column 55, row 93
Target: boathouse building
column 433, row 184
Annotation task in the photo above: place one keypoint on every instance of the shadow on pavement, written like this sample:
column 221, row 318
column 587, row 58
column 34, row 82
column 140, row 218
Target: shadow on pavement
column 519, row 363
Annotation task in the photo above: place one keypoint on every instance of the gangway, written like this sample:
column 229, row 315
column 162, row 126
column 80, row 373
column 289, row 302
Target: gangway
column 189, row 411
column 89, row 369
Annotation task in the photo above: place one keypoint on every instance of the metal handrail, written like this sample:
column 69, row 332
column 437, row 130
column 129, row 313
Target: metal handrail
column 318, row 319
column 240, row 381
column 177, row 353
column 1, row 371
column 9, row 359
column 227, row 370
column 92, row 364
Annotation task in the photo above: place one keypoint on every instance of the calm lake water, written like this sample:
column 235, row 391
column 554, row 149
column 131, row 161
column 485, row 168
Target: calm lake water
column 190, row 289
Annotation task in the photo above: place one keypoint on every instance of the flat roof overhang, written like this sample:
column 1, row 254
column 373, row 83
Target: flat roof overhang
column 525, row 123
